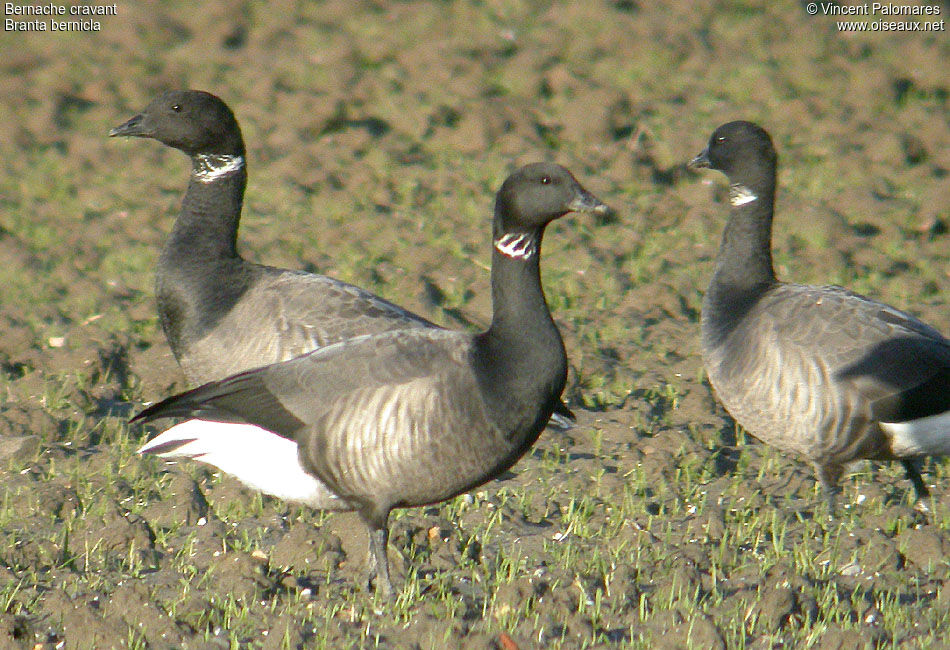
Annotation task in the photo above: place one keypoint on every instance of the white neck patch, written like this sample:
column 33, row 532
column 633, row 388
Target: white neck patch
column 519, row 246
column 740, row 195
column 208, row 167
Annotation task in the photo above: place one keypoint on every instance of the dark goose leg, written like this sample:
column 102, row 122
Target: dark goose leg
column 913, row 475
column 378, row 526
column 828, row 478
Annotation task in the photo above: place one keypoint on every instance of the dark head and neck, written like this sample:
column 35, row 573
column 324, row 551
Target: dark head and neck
column 200, row 274
column 743, row 151
column 203, row 127
column 521, row 356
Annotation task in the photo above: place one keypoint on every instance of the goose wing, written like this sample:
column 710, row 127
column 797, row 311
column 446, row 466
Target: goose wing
column 396, row 418
column 306, row 312
column 892, row 360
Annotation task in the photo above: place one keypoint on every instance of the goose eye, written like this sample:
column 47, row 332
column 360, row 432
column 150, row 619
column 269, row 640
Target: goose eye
column 176, row 108
column 545, row 180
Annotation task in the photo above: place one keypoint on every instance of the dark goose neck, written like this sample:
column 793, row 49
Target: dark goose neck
column 743, row 271
column 744, row 261
column 206, row 228
column 520, row 359
column 200, row 275
column 517, row 296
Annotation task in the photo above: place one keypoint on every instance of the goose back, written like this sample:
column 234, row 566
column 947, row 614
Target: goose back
column 813, row 370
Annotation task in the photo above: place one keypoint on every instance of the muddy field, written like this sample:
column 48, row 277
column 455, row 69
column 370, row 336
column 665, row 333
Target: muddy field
column 377, row 134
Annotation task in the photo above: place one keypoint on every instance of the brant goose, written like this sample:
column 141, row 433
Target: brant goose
column 222, row 314
column 817, row 370
column 403, row 418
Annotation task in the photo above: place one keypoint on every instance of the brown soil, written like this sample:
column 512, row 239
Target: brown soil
column 377, row 134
